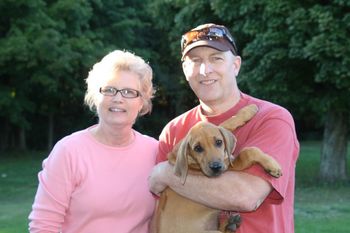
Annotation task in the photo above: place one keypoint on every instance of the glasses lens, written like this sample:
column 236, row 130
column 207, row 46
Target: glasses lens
column 109, row 91
column 126, row 92
column 129, row 93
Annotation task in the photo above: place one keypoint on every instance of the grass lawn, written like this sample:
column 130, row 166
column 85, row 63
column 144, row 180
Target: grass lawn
column 318, row 208
column 322, row 210
column 18, row 183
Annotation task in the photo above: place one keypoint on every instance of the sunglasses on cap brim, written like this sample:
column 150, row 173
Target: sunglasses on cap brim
column 209, row 33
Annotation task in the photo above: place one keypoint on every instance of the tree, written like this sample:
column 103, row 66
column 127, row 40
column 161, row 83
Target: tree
column 46, row 50
column 300, row 48
column 294, row 53
column 16, row 48
column 321, row 33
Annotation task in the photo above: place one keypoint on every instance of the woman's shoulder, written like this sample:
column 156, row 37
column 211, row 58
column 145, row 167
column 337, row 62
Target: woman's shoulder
column 144, row 138
column 75, row 139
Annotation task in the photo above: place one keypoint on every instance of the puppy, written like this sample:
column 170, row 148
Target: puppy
column 207, row 149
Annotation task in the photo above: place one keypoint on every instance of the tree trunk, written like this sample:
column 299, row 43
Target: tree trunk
column 4, row 134
column 50, row 131
column 22, row 139
column 334, row 149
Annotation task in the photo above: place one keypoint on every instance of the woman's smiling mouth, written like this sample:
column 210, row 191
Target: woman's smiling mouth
column 113, row 109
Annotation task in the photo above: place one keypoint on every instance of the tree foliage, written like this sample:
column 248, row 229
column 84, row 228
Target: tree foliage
column 295, row 53
column 46, row 50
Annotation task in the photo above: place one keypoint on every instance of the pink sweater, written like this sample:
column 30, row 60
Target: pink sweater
column 272, row 130
column 88, row 187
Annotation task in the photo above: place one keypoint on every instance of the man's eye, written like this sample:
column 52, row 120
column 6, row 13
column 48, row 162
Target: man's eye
column 217, row 58
column 196, row 60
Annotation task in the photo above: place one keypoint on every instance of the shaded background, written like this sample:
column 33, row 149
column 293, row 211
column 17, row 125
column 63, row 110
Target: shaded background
column 295, row 53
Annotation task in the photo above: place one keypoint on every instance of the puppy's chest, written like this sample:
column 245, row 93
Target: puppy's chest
column 180, row 212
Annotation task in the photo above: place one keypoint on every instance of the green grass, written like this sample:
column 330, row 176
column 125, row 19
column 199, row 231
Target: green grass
column 318, row 208
column 18, row 183
column 322, row 210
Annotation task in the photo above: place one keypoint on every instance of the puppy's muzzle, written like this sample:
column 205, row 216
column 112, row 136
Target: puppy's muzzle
column 216, row 168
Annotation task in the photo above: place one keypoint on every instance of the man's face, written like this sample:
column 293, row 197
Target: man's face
column 212, row 74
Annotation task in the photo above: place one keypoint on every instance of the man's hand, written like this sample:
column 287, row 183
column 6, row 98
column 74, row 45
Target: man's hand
column 159, row 178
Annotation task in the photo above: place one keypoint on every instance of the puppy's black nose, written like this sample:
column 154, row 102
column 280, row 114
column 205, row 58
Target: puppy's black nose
column 215, row 166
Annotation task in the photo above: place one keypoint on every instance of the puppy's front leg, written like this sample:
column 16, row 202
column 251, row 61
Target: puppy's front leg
column 242, row 116
column 252, row 155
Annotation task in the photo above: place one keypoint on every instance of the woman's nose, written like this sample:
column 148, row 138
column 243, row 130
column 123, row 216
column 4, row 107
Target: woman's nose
column 118, row 96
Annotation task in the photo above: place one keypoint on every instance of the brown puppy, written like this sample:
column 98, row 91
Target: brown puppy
column 207, row 149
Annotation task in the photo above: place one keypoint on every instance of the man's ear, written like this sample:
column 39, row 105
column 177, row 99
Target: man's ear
column 185, row 68
column 237, row 64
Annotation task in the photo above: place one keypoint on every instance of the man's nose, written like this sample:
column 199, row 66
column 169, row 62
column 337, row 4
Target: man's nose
column 205, row 68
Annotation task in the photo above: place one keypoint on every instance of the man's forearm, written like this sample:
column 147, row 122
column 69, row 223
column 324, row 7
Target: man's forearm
column 237, row 191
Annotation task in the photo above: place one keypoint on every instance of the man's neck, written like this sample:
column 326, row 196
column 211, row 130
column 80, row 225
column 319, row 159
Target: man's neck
column 213, row 109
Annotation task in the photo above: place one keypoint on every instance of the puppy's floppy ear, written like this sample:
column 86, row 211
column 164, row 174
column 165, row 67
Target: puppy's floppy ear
column 230, row 142
column 181, row 163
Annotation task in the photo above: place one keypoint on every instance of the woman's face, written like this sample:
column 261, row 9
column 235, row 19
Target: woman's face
column 118, row 110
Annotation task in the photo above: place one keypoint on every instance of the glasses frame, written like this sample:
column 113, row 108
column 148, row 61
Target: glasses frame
column 209, row 33
column 122, row 92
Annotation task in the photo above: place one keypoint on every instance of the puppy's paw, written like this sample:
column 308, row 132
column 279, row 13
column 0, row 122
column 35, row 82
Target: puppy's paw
column 229, row 221
column 233, row 223
column 274, row 169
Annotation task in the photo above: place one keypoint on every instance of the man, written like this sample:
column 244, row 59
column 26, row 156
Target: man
column 211, row 64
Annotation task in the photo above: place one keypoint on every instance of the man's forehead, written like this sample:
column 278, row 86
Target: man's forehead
column 205, row 51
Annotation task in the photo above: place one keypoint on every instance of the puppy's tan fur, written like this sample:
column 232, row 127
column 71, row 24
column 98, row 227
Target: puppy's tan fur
column 207, row 149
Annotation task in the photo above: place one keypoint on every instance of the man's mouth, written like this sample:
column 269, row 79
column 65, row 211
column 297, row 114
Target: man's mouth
column 207, row 82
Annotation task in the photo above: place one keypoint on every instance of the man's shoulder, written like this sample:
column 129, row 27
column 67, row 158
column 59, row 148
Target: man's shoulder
column 268, row 108
column 183, row 118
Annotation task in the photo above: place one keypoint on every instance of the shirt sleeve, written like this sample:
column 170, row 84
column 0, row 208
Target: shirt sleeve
column 54, row 191
column 276, row 137
column 166, row 143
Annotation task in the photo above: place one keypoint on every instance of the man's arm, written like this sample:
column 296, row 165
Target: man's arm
column 236, row 191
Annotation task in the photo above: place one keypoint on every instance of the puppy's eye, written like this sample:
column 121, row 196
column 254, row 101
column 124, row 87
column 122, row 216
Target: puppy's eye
column 198, row 149
column 218, row 142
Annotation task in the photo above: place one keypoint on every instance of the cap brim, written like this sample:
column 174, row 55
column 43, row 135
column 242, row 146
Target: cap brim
column 207, row 43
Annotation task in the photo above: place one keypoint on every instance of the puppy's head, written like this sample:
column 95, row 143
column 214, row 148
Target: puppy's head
column 206, row 147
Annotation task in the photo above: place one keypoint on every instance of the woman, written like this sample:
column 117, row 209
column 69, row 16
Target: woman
column 95, row 180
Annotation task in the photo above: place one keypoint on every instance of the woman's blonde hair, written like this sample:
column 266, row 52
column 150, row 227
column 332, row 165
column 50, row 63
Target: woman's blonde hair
column 105, row 69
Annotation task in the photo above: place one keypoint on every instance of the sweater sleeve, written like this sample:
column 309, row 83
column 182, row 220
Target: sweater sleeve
column 56, row 184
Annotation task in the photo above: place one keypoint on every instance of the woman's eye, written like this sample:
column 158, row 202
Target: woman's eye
column 109, row 90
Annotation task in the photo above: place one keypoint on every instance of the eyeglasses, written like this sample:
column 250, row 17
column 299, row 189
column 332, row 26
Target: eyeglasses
column 209, row 33
column 125, row 92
